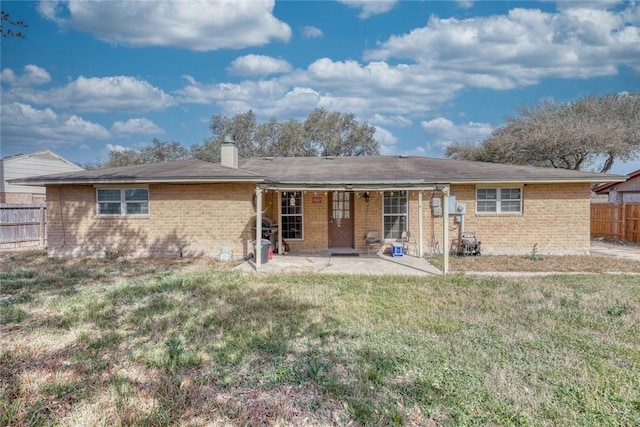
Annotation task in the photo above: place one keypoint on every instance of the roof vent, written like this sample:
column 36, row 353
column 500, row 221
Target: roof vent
column 330, row 157
column 403, row 156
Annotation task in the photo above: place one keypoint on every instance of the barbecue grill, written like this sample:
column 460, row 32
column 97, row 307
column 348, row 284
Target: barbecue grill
column 269, row 231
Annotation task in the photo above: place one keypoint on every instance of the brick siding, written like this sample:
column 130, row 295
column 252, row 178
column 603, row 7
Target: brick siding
column 203, row 219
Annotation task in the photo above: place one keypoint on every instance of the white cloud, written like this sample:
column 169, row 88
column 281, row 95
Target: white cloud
column 115, row 147
column 140, row 126
column 24, row 125
column 386, row 140
column 397, row 121
column 443, row 131
column 32, row 75
column 369, row 8
column 311, row 32
column 98, row 94
column 522, row 47
column 258, row 65
column 196, row 25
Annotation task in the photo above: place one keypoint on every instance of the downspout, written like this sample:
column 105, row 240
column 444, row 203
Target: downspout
column 445, row 229
column 420, row 212
column 257, row 251
column 280, row 245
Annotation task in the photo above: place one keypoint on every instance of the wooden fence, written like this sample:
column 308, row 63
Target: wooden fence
column 620, row 221
column 22, row 225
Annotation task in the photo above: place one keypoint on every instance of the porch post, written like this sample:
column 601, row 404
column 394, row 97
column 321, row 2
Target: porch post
column 257, row 250
column 279, row 220
column 420, row 237
column 445, row 229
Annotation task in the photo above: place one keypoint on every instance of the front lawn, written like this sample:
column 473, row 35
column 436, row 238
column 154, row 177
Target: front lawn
column 95, row 342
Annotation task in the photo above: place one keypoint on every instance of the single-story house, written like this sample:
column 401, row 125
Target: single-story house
column 193, row 208
column 627, row 191
column 26, row 165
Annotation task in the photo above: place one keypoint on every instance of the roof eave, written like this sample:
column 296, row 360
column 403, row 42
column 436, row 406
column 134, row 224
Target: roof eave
column 44, row 183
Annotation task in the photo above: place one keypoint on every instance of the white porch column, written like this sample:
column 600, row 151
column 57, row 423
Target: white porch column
column 420, row 231
column 445, row 229
column 279, row 219
column 257, row 250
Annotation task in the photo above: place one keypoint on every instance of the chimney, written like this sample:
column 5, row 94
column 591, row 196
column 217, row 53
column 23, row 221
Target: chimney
column 229, row 152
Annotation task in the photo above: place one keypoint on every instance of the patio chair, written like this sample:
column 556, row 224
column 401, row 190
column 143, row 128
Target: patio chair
column 372, row 238
column 405, row 239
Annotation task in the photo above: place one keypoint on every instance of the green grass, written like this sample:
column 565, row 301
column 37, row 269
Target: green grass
column 203, row 345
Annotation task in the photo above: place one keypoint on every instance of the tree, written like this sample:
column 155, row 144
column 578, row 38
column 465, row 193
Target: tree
column 323, row 133
column 338, row 134
column 159, row 151
column 9, row 32
column 590, row 133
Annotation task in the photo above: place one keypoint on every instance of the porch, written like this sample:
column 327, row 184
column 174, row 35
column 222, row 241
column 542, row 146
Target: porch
column 346, row 262
column 317, row 220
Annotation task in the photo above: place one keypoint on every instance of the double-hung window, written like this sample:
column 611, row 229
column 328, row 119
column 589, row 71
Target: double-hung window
column 291, row 220
column 395, row 214
column 122, row 201
column 499, row 200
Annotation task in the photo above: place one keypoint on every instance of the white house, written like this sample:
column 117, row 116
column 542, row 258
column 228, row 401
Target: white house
column 41, row 162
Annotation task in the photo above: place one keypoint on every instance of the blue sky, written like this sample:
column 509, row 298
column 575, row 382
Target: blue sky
column 97, row 75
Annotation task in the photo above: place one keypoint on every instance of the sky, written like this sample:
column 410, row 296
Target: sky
column 95, row 76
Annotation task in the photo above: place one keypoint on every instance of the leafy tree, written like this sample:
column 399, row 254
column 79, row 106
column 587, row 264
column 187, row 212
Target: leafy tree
column 590, row 133
column 242, row 126
column 159, row 151
column 323, row 133
column 338, row 134
column 9, row 32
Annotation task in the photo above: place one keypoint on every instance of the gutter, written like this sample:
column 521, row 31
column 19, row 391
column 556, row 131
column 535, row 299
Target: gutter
column 44, row 183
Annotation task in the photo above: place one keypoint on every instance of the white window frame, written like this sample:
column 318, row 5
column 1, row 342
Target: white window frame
column 499, row 201
column 285, row 207
column 123, row 202
column 404, row 214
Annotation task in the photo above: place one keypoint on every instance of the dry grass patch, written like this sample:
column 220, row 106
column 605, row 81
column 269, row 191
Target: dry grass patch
column 545, row 263
column 191, row 343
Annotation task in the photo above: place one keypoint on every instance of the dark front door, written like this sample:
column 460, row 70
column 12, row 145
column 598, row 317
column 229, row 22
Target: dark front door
column 340, row 219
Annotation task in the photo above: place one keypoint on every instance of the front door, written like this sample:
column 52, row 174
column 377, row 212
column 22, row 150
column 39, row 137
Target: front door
column 340, row 219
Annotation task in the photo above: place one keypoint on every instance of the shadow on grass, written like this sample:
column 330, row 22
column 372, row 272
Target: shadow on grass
column 172, row 341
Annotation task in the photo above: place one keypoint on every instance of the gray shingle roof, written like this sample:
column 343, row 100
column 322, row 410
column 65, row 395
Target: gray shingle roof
column 409, row 170
column 179, row 171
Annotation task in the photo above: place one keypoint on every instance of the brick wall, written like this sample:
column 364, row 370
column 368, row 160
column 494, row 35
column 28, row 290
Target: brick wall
column 556, row 218
column 194, row 219
column 21, row 198
column 202, row 219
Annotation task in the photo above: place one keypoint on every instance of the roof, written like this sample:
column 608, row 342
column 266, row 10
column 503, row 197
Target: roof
column 407, row 169
column 41, row 154
column 178, row 171
column 604, row 188
column 363, row 170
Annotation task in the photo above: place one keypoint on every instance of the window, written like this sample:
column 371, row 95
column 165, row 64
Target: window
column 395, row 214
column 499, row 200
column 291, row 220
column 123, row 201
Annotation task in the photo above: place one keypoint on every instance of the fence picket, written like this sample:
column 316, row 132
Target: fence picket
column 619, row 221
column 22, row 225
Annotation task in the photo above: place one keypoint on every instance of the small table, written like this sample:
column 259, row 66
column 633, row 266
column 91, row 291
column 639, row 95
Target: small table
column 397, row 249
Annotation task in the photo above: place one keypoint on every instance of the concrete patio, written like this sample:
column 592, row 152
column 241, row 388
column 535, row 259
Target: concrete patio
column 345, row 263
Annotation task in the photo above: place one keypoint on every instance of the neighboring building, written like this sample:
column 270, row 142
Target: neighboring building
column 627, row 191
column 25, row 165
column 192, row 208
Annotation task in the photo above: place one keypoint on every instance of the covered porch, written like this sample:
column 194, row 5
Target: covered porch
column 327, row 262
column 332, row 217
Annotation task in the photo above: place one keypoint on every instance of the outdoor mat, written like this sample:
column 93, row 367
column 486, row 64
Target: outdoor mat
column 345, row 254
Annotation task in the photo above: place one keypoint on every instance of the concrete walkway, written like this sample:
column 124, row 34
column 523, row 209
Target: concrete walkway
column 374, row 264
column 599, row 248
